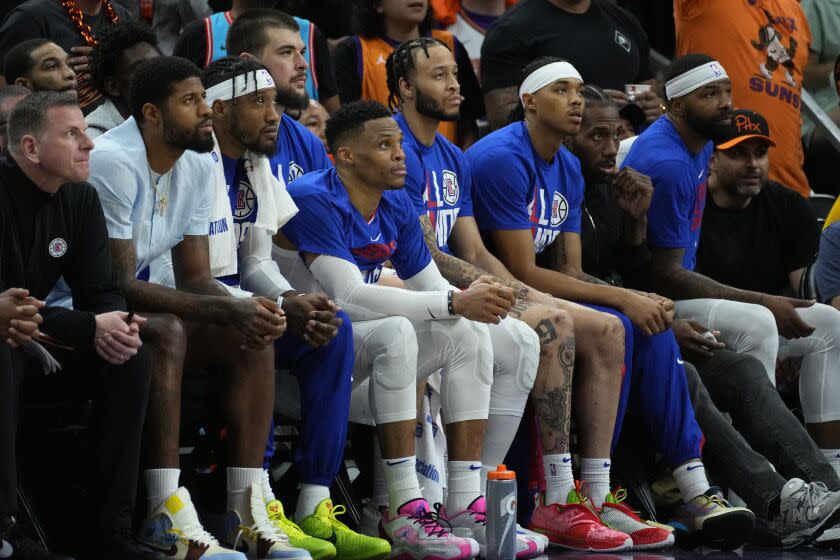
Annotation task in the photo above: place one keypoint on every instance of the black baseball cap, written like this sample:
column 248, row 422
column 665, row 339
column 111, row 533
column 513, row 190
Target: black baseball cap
column 746, row 124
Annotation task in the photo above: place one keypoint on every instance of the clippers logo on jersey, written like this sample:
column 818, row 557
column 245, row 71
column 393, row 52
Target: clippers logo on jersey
column 437, row 198
column 243, row 199
column 245, row 202
column 58, row 247
column 450, row 187
column 545, row 219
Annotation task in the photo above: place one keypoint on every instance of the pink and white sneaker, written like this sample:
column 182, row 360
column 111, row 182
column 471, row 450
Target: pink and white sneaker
column 417, row 534
column 471, row 523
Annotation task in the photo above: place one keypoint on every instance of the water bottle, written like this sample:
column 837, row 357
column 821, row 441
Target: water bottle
column 501, row 514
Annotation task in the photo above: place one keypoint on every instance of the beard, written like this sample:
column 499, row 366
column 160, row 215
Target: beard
column 290, row 98
column 257, row 144
column 429, row 107
column 711, row 129
column 185, row 138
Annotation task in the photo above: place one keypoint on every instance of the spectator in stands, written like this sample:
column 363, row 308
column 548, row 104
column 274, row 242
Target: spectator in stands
column 39, row 64
column 121, row 49
column 9, row 97
column 439, row 186
column 171, row 17
column 364, row 218
column 381, row 26
column 737, row 382
column 528, row 195
column 51, row 214
column 318, row 346
column 759, row 236
column 602, row 40
column 469, row 21
column 73, row 25
column 764, row 48
column 315, row 118
column 153, row 170
column 205, row 41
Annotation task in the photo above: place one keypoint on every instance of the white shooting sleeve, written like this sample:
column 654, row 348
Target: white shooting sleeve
column 343, row 281
column 258, row 272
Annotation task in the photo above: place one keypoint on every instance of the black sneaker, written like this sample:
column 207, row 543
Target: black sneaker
column 22, row 547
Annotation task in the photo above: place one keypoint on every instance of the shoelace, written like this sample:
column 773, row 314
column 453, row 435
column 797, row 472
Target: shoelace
column 480, row 518
column 337, row 510
column 285, row 525
column 193, row 531
column 433, row 522
column 816, row 494
column 620, row 495
column 269, row 531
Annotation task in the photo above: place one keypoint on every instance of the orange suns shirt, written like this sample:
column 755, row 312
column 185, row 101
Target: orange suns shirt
column 763, row 45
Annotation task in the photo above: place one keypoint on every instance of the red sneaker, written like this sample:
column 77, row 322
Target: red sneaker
column 573, row 525
column 646, row 536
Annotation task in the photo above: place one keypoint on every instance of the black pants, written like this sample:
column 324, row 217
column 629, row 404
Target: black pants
column 120, row 396
column 762, row 430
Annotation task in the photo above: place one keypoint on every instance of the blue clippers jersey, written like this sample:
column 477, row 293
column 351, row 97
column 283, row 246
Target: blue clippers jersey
column 328, row 224
column 243, row 204
column 679, row 180
column 438, row 181
column 516, row 189
column 298, row 151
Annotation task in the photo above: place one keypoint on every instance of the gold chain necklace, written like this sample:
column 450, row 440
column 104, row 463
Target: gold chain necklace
column 160, row 195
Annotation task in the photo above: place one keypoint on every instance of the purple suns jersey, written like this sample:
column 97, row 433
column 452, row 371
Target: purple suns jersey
column 438, row 182
column 514, row 188
column 328, row 224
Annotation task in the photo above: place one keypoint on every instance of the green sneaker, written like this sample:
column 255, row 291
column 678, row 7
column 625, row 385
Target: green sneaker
column 317, row 548
column 349, row 544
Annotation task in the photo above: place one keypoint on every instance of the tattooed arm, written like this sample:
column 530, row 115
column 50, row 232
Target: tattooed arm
column 566, row 258
column 462, row 273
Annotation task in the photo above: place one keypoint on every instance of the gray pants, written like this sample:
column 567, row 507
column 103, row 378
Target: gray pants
column 763, row 431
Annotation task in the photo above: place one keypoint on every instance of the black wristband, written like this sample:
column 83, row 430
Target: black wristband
column 450, row 305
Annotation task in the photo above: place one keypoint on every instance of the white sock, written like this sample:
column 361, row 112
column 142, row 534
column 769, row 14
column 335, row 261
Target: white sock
column 160, row 484
column 310, row 496
column 559, row 479
column 239, row 481
column 6, row 550
column 833, row 458
column 401, row 481
column 691, row 479
column 463, row 485
column 596, row 474
column 268, row 491
column 501, row 429
column 380, row 486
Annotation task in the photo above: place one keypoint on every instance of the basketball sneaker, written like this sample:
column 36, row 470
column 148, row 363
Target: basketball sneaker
column 574, row 526
column 709, row 519
column 645, row 535
column 417, row 533
column 471, row 523
column 349, row 545
column 259, row 539
column 317, row 548
column 806, row 511
column 174, row 530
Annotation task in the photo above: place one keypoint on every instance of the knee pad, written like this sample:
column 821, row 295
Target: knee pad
column 468, row 375
column 516, row 352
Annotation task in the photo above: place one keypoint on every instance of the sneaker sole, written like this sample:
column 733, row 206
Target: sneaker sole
column 582, row 547
column 727, row 531
column 810, row 534
column 656, row 546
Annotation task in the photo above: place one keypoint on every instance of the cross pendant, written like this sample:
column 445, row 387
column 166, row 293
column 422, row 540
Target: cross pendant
column 162, row 205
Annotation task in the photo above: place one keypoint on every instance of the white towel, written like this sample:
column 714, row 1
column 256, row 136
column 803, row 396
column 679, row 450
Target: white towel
column 275, row 208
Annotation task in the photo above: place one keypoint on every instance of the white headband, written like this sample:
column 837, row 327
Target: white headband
column 547, row 74
column 695, row 78
column 240, row 85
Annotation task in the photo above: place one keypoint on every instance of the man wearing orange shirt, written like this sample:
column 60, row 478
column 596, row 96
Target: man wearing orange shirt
column 763, row 44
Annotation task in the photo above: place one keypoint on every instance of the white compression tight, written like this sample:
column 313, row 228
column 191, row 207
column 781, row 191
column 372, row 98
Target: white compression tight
column 516, row 352
column 751, row 329
column 396, row 354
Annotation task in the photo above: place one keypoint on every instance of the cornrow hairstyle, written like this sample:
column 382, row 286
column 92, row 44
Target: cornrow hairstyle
column 518, row 112
column 228, row 68
column 371, row 23
column 106, row 53
column 400, row 64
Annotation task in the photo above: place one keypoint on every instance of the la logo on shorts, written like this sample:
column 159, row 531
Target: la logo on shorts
column 57, row 247
column 559, row 209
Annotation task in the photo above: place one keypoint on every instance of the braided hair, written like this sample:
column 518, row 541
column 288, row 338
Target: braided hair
column 518, row 112
column 400, row 64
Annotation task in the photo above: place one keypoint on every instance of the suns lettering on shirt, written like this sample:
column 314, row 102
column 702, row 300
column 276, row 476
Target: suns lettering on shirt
column 546, row 219
column 442, row 197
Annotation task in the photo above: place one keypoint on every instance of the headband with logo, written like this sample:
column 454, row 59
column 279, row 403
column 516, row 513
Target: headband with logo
column 240, row 85
column 547, row 74
column 694, row 79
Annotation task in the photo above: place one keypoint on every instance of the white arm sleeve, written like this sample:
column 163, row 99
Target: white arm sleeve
column 343, row 282
column 258, row 273
column 427, row 280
